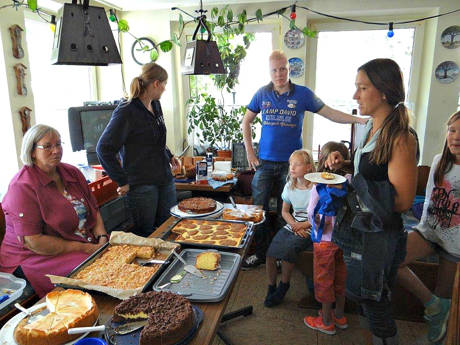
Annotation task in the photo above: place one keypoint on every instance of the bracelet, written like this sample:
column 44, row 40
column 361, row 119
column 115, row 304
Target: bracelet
column 98, row 237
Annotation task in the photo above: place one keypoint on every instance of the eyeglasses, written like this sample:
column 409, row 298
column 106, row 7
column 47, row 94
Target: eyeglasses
column 49, row 147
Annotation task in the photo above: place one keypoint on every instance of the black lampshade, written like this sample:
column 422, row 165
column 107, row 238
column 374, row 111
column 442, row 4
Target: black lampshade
column 202, row 57
column 83, row 37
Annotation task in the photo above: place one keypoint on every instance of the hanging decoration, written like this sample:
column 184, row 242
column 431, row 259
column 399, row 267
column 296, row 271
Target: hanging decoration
column 294, row 39
column 16, row 39
column 144, row 50
column 19, row 70
column 24, row 114
column 446, row 72
column 450, row 37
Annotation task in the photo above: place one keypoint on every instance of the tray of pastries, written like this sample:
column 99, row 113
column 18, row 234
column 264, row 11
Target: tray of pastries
column 210, row 233
column 119, row 268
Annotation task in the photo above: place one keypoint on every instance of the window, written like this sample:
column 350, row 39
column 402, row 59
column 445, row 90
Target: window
column 56, row 87
column 254, row 73
column 335, row 81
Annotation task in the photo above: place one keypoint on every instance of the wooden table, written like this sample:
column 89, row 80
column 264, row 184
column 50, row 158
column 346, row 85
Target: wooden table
column 213, row 312
column 202, row 187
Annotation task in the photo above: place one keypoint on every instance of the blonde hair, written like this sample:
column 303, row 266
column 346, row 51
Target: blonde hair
column 30, row 140
column 306, row 157
column 277, row 55
column 150, row 72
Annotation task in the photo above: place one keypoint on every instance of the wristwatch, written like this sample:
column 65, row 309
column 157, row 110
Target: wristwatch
column 98, row 237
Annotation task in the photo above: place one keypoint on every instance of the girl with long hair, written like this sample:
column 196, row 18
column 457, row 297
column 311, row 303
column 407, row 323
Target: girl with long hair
column 294, row 237
column 438, row 233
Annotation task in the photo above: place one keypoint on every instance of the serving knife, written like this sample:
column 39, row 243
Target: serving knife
column 120, row 330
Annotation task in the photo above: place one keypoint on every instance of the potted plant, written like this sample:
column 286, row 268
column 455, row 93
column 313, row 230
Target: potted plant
column 214, row 124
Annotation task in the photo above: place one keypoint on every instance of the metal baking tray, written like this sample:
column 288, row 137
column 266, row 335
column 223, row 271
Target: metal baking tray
column 213, row 288
column 96, row 255
column 171, row 236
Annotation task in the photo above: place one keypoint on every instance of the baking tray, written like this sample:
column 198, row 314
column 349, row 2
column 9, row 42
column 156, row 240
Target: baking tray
column 96, row 255
column 171, row 236
column 213, row 288
column 12, row 287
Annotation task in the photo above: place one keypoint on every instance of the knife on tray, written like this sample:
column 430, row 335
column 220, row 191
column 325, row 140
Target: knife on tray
column 120, row 330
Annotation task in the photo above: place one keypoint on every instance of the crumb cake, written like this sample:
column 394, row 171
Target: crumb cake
column 197, row 205
column 327, row 175
column 228, row 234
column 67, row 309
column 115, row 268
column 170, row 316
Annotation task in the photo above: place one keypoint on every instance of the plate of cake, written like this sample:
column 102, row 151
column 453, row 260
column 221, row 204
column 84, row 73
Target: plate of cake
column 325, row 177
column 176, row 324
column 247, row 213
column 198, row 207
column 50, row 321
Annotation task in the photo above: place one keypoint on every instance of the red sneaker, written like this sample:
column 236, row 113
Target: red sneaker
column 317, row 324
column 341, row 323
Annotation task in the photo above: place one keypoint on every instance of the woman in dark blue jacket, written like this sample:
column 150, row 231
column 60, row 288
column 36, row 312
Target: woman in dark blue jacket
column 138, row 133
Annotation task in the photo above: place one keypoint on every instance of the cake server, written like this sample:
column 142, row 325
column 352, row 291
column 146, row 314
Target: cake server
column 189, row 268
column 32, row 316
column 119, row 330
column 150, row 261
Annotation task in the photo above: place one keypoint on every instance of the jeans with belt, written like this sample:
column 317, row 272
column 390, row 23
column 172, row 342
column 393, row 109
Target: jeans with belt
column 150, row 206
column 268, row 174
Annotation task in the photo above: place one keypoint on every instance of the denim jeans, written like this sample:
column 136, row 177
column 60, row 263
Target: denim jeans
column 150, row 205
column 268, row 174
column 377, row 312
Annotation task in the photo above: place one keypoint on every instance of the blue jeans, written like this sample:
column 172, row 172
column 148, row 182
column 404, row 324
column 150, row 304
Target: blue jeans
column 268, row 174
column 150, row 206
column 392, row 247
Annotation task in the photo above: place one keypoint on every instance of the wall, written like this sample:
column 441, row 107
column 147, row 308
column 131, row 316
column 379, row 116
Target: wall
column 8, row 17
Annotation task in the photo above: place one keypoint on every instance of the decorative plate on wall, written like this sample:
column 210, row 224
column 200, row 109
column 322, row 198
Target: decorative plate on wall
column 450, row 37
column 294, row 39
column 296, row 67
column 446, row 72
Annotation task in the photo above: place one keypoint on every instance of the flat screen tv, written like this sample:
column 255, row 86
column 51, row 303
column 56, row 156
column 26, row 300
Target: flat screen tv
column 86, row 125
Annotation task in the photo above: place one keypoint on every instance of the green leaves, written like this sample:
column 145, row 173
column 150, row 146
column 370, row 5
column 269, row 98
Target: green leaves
column 153, row 55
column 165, row 46
column 259, row 15
column 32, row 4
column 310, row 33
column 123, row 25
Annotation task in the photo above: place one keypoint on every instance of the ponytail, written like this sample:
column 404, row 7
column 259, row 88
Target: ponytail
column 150, row 72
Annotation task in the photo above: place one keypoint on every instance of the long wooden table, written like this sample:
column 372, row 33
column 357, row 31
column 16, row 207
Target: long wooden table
column 213, row 312
column 202, row 187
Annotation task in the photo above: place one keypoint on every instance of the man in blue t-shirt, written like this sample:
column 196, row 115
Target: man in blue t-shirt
column 282, row 105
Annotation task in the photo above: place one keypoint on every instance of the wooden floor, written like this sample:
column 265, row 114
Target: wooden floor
column 283, row 325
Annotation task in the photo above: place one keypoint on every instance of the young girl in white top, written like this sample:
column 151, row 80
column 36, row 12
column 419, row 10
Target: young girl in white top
column 294, row 237
column 438, row 232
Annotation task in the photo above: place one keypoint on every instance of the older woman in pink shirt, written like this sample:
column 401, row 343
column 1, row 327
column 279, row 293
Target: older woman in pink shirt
column 52, row 220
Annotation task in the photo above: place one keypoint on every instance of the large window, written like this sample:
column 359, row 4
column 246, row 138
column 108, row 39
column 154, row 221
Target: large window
column 339, row 54
column 56, row 87
column 254, row 73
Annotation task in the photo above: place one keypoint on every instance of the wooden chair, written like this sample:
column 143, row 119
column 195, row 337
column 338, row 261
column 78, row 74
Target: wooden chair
column 423, row 171
column 453, row 330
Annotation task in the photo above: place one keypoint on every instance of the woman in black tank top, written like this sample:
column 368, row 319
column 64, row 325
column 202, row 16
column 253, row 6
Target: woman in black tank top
column 387, row 153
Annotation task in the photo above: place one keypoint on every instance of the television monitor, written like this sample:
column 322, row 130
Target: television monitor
column 86, row 125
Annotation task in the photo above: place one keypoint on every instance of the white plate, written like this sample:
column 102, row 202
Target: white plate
column 316, row 178
column 178, row 213
column 7, row 331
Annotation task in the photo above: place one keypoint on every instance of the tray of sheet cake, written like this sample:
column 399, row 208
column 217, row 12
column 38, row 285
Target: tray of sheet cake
column 209, row 233
column 118, row 268
column 218, row 270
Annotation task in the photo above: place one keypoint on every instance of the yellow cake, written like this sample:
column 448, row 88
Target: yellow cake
column 207, row 261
